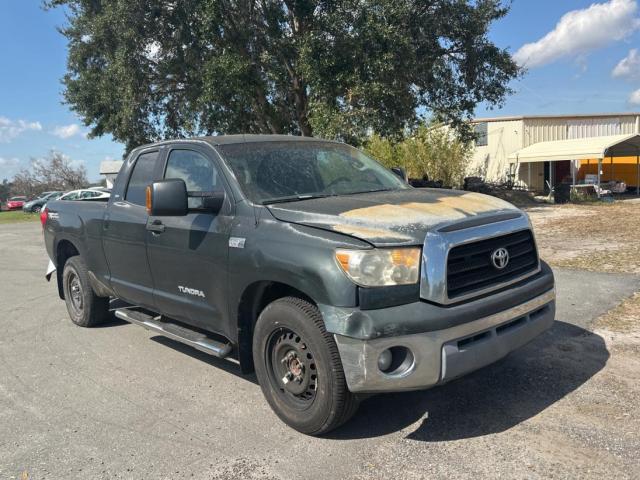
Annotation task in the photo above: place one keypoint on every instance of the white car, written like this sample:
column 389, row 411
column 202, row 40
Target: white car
column 85, row 194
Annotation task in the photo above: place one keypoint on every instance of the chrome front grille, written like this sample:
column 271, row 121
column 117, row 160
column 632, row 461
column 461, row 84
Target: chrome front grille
column 469, row 266
column 456, row 258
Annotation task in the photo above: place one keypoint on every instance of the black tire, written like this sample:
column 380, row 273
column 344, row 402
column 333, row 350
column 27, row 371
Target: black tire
column 290, row 341
column 36, row 209
column 85, row 308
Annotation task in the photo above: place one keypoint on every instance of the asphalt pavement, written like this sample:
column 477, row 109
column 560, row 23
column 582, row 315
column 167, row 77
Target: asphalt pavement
column 119, row 402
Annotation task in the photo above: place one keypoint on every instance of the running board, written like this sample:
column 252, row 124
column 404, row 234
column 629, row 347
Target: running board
column 176, row 332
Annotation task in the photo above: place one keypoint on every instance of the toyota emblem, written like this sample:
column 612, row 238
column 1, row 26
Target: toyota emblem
column 500, row 258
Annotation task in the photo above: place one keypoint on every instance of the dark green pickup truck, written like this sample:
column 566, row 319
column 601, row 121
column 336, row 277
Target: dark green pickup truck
column 306, row 262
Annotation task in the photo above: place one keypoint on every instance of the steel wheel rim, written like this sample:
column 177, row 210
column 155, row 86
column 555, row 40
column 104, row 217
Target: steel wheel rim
column 291, row 368
column 75, row 293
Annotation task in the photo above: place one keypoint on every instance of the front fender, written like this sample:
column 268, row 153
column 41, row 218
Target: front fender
column 298, row 256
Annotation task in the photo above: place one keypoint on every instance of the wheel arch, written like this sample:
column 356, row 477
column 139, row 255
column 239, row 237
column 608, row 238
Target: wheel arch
column 65, row 249
column 253, row 300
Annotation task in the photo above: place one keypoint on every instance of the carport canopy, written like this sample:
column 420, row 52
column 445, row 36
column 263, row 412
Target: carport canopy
column 579, row 149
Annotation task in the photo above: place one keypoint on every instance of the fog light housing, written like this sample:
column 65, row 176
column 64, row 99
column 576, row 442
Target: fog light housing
column 396, row 361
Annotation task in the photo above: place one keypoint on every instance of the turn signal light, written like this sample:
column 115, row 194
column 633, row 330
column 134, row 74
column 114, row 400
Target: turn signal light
column 148, row 199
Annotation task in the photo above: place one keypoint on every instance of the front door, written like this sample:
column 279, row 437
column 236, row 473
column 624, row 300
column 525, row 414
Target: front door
column 125, row 234
column 562, row 172
column 189, row 257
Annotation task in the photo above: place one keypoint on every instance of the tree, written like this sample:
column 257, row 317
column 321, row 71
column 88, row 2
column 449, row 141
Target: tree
column 144, row 70
column 56, row 172
column 433, row 150
column 5, row 190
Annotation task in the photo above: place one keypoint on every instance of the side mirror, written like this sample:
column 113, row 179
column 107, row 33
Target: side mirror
column 167, row 198
column 400, row 172
column 213, row 201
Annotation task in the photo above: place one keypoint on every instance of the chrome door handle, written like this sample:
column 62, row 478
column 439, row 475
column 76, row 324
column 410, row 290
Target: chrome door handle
column 155, row 227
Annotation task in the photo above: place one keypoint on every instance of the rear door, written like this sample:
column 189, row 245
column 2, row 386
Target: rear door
column 188, row 258
column 125, row 233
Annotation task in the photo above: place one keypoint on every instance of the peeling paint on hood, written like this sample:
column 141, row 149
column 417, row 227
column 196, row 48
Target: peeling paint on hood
column 400, row 217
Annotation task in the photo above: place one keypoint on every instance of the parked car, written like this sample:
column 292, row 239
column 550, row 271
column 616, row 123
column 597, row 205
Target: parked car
column 35, row 205
column 306, row 261
column 16, row 203
column 85, row 194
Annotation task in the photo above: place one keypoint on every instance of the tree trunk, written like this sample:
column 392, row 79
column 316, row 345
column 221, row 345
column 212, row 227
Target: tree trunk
column 301, row 102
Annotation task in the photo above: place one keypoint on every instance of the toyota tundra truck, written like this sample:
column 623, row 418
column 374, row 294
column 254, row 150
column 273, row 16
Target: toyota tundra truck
column 306, row 262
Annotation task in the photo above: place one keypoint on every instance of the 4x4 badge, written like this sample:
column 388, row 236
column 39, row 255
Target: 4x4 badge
column 236, row 242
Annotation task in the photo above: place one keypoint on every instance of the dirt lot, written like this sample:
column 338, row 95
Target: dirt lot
column 595, row 237
column 119, row 402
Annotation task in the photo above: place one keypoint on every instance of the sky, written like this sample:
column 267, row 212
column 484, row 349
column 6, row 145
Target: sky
column 580, row 56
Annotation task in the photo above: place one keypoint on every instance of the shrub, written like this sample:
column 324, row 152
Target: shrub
column 433, row 150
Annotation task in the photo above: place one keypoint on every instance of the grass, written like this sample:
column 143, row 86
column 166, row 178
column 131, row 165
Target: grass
column 17, row 216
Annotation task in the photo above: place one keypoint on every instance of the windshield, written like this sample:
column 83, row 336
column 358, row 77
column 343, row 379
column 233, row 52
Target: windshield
column 296, row 170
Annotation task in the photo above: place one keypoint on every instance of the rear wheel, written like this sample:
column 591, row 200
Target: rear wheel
column 298, row 367
column 85, row 308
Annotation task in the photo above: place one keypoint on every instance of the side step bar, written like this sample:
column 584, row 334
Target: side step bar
column 176, row 332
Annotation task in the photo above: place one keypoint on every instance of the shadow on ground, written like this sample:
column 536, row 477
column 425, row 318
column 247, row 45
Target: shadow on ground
column 226, row 364
column 490, row 400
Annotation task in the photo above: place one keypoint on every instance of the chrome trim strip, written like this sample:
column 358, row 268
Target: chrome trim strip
column 199, row 342
column 435, row 253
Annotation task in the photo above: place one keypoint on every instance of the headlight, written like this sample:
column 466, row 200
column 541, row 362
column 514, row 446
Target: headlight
column 381, row 266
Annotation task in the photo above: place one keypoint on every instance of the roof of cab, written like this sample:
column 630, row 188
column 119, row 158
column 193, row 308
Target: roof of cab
column 241, row 138
column 250, row 138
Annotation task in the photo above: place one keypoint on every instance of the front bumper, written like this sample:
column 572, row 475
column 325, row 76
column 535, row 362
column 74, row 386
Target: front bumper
column 442, row 355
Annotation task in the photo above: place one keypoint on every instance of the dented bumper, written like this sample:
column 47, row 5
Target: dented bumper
column 441, row 355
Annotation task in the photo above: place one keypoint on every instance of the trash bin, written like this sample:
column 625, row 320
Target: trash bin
column 562, row 193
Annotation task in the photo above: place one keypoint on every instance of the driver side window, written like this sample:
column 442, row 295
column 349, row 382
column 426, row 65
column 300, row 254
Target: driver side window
column 198, row 172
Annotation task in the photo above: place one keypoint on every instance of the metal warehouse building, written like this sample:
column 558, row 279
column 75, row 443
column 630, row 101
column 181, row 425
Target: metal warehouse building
column 537, row 151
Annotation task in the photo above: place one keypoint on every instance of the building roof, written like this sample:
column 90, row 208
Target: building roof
column 573, row 115
column 110, row 167
column 579, row 149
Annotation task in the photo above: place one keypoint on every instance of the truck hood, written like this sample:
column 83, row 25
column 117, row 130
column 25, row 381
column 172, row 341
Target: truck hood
column 399, row 217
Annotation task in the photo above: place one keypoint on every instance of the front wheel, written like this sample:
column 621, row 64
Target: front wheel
column 36, row 209
column 298, row 367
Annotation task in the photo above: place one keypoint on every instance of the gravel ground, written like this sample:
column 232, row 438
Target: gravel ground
column 597, row 237
column 118, row 402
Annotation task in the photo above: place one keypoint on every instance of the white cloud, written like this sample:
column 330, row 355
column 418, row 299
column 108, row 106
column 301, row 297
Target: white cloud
column 10, row 129
column 8, row 167
column 634, row 98
column 9, row 162
column 581, row 31
column 629, row 67
column 67, row 131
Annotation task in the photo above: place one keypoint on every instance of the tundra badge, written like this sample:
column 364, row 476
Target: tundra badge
column 191, row 291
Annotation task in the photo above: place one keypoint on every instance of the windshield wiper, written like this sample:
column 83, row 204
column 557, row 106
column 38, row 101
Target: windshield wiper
column 294, row 198
column 371, row 191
